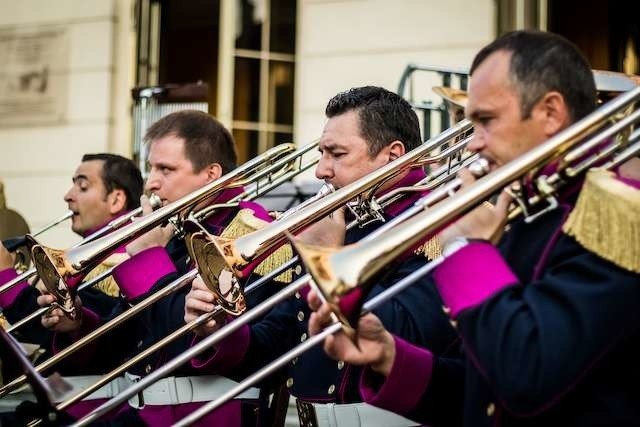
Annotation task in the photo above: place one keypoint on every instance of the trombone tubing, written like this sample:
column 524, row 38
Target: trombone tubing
column 168, row 339
column 81, row 258
column 298, row 350
column 43, row 310
column 187, row 355
column 113, row 224
column 355, row 265
column 201, row 215
column 255, row 243
column 225, row 330
column 367, row 307
column 173, row 286
column 204, row 317
column 126, row 315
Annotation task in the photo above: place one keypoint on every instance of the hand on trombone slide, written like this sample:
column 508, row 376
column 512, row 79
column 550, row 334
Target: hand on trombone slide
column 486, row 222
column 54, row 319
column 376, row 346
column 201, row 300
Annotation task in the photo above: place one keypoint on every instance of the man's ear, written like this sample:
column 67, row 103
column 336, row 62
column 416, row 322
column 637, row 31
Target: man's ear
column 214, row 171
column 396, row 149
column 117, row 200
column 553, row 111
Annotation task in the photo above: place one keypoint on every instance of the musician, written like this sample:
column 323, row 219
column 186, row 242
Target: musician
column 187, row 150
column 366, row 128
column 104, row 187
column 547, row 321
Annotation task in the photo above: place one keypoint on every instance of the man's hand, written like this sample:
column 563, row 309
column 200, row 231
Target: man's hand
column 6, row 258
column 198, row 301
column 328, row 232
column 484, row 222
column 158, row 236
column 55, row 319
column 377, row 346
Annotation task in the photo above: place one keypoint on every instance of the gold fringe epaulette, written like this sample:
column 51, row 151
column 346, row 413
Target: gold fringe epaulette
column 244, row 223
column 432, row 249
column 107, row 286
column 606, row 219
column 4, row 323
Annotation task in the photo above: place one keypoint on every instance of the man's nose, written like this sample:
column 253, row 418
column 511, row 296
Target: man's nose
column 324, row 169
column 153, row 182
column 477, row 142
column 68, row 197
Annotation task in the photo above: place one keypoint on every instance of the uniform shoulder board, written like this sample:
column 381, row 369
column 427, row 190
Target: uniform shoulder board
column 108, row 286
column 244, row 223
column 606, row 219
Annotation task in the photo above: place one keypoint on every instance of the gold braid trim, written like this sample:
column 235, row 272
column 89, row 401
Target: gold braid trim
column 244, row 223
column 606, row 219
column 4, row 323
column 432, row 249
column 107, row 286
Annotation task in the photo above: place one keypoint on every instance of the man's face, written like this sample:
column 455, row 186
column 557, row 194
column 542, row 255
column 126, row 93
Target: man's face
column 500, row 133
column 87, row 198
column 344, row 153
column 171, row 174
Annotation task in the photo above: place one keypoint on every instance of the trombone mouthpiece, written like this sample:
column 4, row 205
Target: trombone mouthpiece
column 155, row 201
column 479, row 168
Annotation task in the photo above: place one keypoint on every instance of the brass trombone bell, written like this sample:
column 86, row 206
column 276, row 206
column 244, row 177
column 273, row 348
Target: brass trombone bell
column 454, row 99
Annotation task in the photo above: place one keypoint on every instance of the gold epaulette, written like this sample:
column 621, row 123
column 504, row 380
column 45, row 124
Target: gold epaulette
column 606, row 219
column 4, row 323
column 432, row 249
column 107, row 286
column 244, row 223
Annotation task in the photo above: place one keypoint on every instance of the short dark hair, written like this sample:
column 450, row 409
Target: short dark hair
column 120, row 173
column 383, row 115
column 206, row 140
column 543, row 62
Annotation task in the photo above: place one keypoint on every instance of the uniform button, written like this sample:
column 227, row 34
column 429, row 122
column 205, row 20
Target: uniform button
column 298, row 270
column 446, row 310
column 298, row 296
column 147, row 369
column 332, row 388
column 294, row 361
column 340, row 364
column 303, row 337
column 491, row 409
column 140, row 344
column 300, row 316
column 289, row 382
column 453, row 323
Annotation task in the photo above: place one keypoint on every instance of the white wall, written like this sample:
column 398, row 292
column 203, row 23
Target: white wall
column 37, row 162
column 347, row 43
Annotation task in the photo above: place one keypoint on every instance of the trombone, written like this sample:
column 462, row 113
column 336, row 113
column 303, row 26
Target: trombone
column 61, row 270
column 434, row 179
column 30, row 241
column 417, row 156
column 568, row 146
column 288, row 164
column 13, row 243
column 258, row 189
column 215, row 254
column 338, row 272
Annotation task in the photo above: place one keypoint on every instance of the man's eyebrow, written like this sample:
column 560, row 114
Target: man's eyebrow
column 80, row 178
column 330, row 146
column 475, row 114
